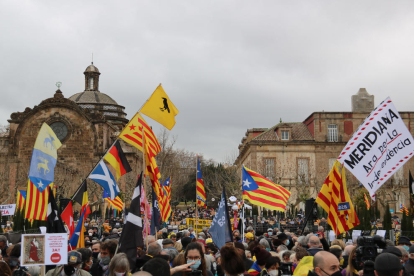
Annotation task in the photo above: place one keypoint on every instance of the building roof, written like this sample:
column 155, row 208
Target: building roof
column 92, row 68
column 92, row 97
column 299, row 132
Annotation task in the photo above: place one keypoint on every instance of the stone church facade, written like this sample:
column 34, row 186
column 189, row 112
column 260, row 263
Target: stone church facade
column 299, row 155
column 87, row 124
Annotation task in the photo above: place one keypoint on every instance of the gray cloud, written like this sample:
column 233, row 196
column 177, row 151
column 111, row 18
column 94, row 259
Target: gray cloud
column 226, row 66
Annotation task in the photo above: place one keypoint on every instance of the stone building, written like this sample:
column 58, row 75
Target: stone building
column 299, row 155
column 87, row 124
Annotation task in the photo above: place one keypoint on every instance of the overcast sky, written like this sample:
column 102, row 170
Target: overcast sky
column 226, row 65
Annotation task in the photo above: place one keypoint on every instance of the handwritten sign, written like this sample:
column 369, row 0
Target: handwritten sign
column 379, row 148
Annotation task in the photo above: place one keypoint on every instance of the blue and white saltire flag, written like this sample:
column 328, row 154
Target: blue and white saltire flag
column 104, row 177
column 42, row 165
column 220, row 228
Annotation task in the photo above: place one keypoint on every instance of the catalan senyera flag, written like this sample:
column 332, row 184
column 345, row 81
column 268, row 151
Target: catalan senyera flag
column 132, row 134
column 261, row 191
column 334, row 192
column 116, row 203
column 166, row 186
column 36, row 202
column 21, row 199
column 116, row 157
column 201, row 192
column 367, row 201
column 154, row 175
column 404, row 209
column 160, row 108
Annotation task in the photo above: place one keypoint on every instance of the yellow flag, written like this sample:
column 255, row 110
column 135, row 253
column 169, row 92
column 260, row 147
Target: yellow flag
column 160, row 108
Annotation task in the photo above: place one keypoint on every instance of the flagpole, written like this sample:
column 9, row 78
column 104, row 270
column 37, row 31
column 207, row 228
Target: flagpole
column 143, row 180
column 242, row 226
column 196, row 201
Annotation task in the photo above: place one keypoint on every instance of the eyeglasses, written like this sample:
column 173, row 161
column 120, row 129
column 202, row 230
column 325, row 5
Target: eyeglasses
column 193, row 258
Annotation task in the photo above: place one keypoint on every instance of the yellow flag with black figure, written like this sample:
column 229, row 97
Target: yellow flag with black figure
column 160, row 108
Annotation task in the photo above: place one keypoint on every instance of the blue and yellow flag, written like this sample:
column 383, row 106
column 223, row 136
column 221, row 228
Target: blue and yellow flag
column 42, row 165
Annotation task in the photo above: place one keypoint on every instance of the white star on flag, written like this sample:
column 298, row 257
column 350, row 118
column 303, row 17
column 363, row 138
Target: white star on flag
column 40, row 184
column 246, row 183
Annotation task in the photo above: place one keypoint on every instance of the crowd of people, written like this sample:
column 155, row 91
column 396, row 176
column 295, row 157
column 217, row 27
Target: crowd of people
column 189, row 252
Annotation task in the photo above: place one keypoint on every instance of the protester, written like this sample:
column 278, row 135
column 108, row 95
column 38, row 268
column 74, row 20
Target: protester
column 3, row 245
column 119, row 265
column 87, row 261
column 351, row 268
column 153, row 249
column 325, row 263
column 261, row 258
column 108, row 249
column 272, row 267
column 5, row 269
column 194, row 253
column 387, row 264
column 231, row 260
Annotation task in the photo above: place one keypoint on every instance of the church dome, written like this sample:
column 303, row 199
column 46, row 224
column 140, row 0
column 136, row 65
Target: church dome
column 92, row 68
column 96, row 101
column 92, row 97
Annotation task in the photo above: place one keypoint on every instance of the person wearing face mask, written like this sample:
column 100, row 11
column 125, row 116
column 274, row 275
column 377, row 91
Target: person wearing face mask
column 96, row 249
column 404, row 242
column 272, row 267
column 108, row 249
column 285, row 240
column 325, row 264
column 86, row 258
column 397, row 252
column 119, row 265
column 194, row 254
column 73, row 268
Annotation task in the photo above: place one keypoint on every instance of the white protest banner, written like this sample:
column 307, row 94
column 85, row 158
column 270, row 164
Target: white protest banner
column 7, row 210
column 44, row 249
column 381, row 145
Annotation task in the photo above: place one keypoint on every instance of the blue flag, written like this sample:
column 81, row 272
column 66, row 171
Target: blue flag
column 42, row 165
column 156, row 214
column 104, row 177
column 220, row 228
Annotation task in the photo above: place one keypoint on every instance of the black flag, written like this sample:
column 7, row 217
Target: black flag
column 54, row 221
column 131, row 236
column 156, row 214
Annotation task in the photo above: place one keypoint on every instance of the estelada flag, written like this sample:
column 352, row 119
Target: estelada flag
column 36, row 202
column 201, row 192
column 367, row 201
column 335, row 200
column 261, row 191
column 21, row 199
column 160, row 108
column 116, row 157
column 132, row 134
column 67, row 217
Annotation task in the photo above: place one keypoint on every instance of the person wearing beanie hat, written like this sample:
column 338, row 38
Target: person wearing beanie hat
column 261, row 257
column 387, row 264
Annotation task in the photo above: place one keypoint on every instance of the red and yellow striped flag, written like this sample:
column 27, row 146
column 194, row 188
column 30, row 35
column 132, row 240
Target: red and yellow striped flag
column 404, row 209
column 21, row 199
column 36, row 202
column 132, row 134
column 116, row 203
column 261, row 191
column 201, row 192
column 367, row 201
column 333, row 193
